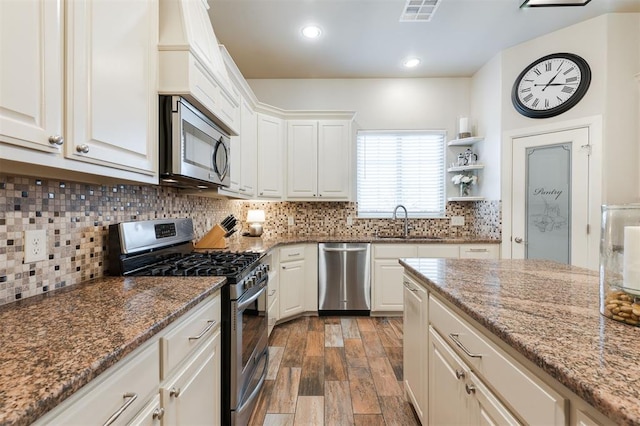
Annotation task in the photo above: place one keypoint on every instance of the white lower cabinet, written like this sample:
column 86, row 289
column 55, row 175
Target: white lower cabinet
column 457, row 396
column 479, row 364
column 415, row 323
column 173, row 379
column 292, row 280
column 192, row 395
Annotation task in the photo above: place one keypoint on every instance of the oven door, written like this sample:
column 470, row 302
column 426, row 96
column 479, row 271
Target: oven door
column 250, row 343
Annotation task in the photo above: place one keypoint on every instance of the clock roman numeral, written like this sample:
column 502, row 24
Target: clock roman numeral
column 569, row 70
column 546, row 103
column 537, row 71
column 568, row 89
column 535, row 103
column 572, row 79
column 528, row 89
column 528, row 97
column 547, row 66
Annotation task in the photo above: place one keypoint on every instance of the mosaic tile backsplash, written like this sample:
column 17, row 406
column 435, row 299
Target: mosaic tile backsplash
column 76, row 217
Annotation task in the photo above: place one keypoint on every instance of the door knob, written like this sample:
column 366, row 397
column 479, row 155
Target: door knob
column 518, row 240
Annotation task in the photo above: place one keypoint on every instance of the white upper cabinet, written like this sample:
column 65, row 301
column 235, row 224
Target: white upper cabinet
column 78, row 88
column 248, row 149
column 318, row 159
column 191, row 63
column 111, row 90
column 31, row 80
column 271, row 155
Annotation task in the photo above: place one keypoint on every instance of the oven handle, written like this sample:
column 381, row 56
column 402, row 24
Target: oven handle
column 250, row 300
column 256, row 391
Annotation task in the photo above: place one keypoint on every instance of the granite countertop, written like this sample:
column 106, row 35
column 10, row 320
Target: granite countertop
column 54, row 344
column 260, row 244
column 548, row 312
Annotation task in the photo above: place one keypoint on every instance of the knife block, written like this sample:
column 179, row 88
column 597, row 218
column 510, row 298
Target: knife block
column 213, row 239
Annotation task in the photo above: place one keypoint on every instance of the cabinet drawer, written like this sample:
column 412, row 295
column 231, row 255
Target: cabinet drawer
column 450, row 251
column 291, row 253
column 394, row 251
column 176, row 344
column 531, row 399
column 136, row 376
column 478, row 251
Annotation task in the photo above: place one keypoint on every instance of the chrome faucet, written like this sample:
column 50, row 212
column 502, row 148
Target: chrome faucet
column 406, row 218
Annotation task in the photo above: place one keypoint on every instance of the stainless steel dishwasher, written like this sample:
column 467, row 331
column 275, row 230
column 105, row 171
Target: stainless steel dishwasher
column 344, row 280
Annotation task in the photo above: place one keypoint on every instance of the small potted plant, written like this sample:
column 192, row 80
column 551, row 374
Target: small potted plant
column 465, row 181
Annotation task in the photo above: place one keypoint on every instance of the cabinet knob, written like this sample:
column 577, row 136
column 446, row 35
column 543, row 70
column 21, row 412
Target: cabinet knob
column 83, row 149
column 158, row 413
column 470, row 389
column 459, row 374
column 56, row 140
column 174, row 392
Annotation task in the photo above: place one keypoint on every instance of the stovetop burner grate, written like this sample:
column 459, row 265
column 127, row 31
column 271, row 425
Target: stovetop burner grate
column 227, row 264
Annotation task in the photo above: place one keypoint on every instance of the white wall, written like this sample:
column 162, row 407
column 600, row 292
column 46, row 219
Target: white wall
column 412, row 103
column 486, row 114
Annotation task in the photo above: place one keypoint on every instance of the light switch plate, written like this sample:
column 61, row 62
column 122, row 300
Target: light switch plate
column 35, row 245
column 349, row 220
column 290, row 221
column 457, row 220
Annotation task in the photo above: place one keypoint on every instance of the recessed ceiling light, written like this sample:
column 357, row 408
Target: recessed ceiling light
column 411, row 62
column 311, row 31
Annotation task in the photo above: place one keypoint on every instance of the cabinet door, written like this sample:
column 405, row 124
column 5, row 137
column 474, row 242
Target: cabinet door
column 387, row 285
column 451, row 251
column 334, row 159
column 270, row 156
column 112, row 101
column 192, row 396
column 31, row 80
column 448, row 402
column 151, row 415
column 486, row 409
column 292, row 276
column 248, row 149
column 414, row 342
column 302, row 158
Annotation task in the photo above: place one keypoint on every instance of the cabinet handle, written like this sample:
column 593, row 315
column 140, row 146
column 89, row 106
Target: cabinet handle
column 470, row 389
column 158, row 413
column 56, row 140
column 209, row 327
column 242, row 189
column 129, row 398
column 477, row 250
column 272, row 292
column 454, row 337
column 408, row 286
column 174, row 392
column 83, row 149
column 459, row 374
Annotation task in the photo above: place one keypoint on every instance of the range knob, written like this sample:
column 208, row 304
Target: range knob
column 251, row 281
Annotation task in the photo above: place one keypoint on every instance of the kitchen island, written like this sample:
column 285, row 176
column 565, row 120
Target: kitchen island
column 548, row 314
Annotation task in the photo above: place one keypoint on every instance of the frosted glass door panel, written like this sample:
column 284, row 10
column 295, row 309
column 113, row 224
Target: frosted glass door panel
column 548, row 203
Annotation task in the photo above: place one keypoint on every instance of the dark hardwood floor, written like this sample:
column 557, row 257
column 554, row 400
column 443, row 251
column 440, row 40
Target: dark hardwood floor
column 335, row 371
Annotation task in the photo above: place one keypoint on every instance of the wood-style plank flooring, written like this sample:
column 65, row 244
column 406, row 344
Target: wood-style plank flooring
column 335, row 371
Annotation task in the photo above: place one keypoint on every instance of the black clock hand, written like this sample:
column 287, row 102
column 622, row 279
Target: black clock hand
column 551, row 81
column 554, row 84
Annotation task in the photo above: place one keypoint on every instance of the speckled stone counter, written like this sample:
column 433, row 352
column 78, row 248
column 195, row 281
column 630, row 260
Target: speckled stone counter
column 240, row 243
column 548, row 312
column 54, row 344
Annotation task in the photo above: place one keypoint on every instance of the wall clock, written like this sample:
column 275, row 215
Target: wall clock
column 551, row 85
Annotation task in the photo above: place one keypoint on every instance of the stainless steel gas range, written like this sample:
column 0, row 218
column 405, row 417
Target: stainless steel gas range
column 164, row 247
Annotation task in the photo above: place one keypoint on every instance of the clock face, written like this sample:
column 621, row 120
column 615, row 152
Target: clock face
column 551, row 85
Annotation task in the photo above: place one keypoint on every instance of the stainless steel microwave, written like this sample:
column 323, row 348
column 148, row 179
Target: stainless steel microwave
column 194, row 151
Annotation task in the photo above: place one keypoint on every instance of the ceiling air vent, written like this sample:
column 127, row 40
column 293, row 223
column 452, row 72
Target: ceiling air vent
column 419, row 10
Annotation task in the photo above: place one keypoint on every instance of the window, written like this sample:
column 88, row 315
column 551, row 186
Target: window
column 401, row 167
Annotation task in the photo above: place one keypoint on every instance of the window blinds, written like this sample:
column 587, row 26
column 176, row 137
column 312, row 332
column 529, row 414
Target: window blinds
column 401, row 167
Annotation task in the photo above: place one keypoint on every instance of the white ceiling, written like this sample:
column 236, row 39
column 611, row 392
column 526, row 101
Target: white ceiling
column 364, row 38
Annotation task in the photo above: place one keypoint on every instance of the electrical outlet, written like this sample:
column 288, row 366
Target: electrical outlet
column 291, row 221
column 457, row 220
column 35, row 245
column 349, row 221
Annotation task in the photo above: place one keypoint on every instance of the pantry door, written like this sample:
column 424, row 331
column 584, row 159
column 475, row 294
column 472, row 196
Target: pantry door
column 550, row 197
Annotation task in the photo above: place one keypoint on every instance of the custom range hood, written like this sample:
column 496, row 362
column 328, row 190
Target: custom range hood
column 191, row 63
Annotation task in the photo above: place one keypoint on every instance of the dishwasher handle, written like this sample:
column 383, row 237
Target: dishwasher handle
column 344, row 249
